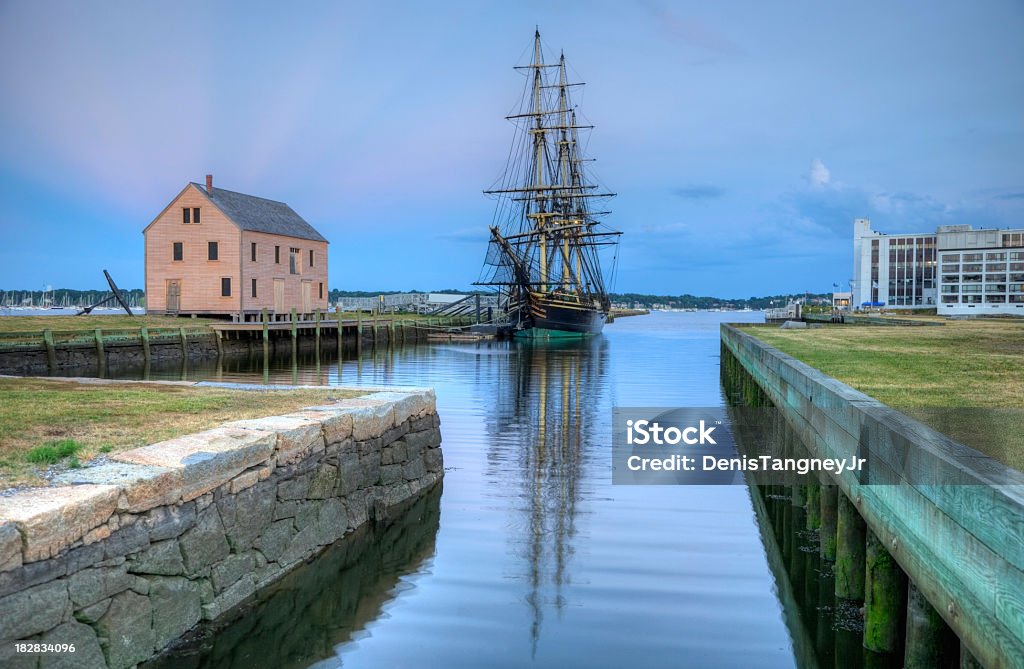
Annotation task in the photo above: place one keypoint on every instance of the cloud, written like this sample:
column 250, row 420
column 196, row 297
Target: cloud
column 478, row 236
column 829, row 206
column 691, row 32
column 819, row 176
column 698, row 192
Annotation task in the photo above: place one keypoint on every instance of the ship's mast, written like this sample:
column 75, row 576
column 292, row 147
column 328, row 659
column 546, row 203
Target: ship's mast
column 548, row 244
column 539, row 141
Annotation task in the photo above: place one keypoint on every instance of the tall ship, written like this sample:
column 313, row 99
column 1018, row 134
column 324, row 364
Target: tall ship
column 548, row 242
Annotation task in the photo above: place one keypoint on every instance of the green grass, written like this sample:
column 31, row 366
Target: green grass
column 73, row 323
column 46, row 421
column 53, row 451
column 965, row 379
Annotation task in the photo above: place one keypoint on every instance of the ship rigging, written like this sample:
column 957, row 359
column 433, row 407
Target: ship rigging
column 547, row 238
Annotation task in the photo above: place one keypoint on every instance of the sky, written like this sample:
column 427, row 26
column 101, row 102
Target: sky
column 741, row 138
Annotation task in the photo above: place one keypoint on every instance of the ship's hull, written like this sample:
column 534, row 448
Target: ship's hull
column 553, row 321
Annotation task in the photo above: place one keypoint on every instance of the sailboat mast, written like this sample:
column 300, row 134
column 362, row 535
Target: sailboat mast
column 539, row 145
column 563, row 163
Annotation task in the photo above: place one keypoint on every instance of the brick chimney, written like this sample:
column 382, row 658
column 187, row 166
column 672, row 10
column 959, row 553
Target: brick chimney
column 209, row 184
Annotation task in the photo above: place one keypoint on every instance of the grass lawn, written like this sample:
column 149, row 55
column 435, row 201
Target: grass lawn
column 965, row 379
column 45, row 421
column 70, row 323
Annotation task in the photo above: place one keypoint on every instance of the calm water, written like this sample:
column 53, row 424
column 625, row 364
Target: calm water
column 530, row 557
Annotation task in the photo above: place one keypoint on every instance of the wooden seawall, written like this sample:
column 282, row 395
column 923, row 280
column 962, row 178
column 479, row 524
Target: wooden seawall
column 50, row 350
column 961, row 545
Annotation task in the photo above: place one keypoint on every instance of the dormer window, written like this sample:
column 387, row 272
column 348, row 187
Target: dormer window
column 190, row 215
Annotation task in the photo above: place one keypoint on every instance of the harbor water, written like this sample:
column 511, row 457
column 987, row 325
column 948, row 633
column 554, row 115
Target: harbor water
column 529, row 556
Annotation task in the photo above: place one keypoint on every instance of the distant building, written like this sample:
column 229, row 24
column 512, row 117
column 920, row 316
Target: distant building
column 215, row 252
column 957, row 270
column 841, row 301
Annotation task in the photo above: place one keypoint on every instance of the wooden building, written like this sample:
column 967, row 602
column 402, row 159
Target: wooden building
column 217, row 252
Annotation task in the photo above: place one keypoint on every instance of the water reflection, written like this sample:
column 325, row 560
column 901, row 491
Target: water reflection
column 540, row 560
column 315, row 612
column 826, row 631
column 541, row 422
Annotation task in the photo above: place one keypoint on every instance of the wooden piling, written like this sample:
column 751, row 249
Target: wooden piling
column 337, row 315
column 359, row 333
column 967, row 659
column 813, row 506
column 316, row 334
column 295, row 336
column 51, row 352
column 184, row 343
column 266, row 334
column 144, row 333
column 100, row 357
column 220, row 343
column 798, row 495
column 882, row 597
column 849, row 568
column 829, row 498
column 924, row 632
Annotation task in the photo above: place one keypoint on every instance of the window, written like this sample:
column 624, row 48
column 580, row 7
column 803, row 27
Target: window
column 254, row 287
column 277, row 255
column 190, row 215
column 211, row 250
column 225, row 287
column 293, row 261
column 252, row 253
column 321, row 287
column 179, row 251
column 311, row 260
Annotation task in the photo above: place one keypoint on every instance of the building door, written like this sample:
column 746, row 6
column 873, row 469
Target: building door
column 279, row 296
column 173, row 295
column 307, row 297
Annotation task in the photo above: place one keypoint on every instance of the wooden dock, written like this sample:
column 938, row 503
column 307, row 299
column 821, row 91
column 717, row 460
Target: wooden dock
column 53, row 349
column 930, row 513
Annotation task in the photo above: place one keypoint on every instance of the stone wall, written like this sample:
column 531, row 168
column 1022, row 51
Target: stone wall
column 125, row 557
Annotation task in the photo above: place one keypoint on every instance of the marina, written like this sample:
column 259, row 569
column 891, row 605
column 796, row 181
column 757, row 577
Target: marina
column 519, row 335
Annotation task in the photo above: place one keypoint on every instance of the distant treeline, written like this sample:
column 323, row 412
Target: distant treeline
column 696, row 302
column 137, row 297
column 60, row 297
column 646, row 301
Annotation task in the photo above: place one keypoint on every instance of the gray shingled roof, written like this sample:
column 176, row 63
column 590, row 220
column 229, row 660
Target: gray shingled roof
column 261, row 215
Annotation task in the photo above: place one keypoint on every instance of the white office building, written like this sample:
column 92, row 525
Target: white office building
column 957, row 270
